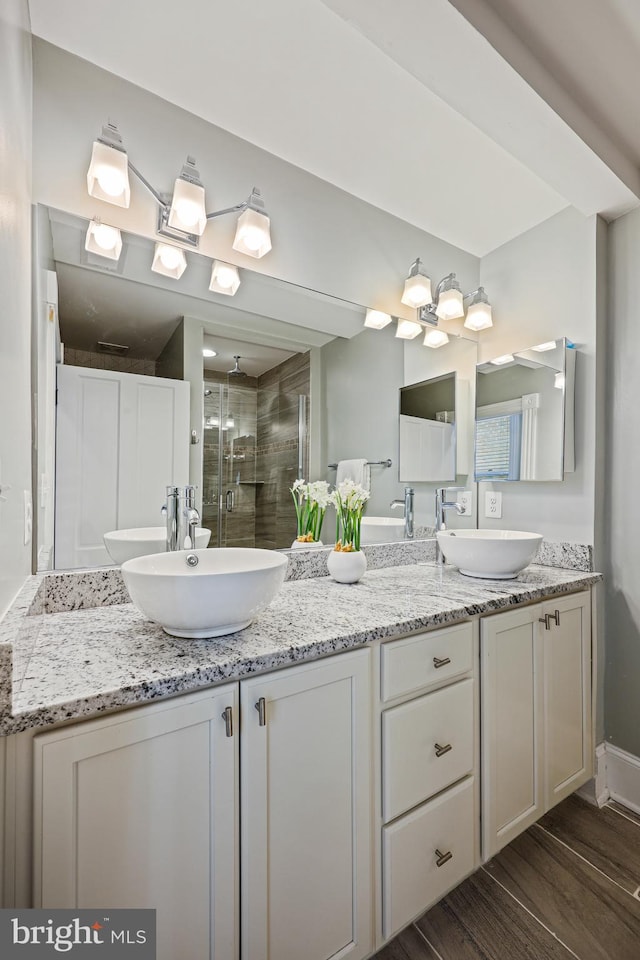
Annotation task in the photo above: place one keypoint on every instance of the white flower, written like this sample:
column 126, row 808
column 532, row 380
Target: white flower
column 318, row 492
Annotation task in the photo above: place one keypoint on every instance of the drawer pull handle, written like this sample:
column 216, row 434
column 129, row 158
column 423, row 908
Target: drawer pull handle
column 261, row 707
column 555, row 616
column 441, row 663
column 440, row 751
column 227, row 716
column 443, row 857
column 545, row 620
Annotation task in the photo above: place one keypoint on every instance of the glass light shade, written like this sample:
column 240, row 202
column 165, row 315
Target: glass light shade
column 408, row 329
column 253, row 234
column 435, row 338
column 417, row 291
column 478, row 316
column 376, row 319
column 208, row 352
column 224, row 278
column 450, row 305
column 188, row 212
column 168, row 260
column 506, row 358
column 558, row 380
column 104, row 240
column 108, row 175
column 543, row 347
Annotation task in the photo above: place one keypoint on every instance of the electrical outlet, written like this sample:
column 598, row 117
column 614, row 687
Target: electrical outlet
column 465, row 499
column 493, row 504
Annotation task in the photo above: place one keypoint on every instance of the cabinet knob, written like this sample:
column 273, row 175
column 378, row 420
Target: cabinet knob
column 261, row 707
column 441, row 663
column 443, row 858
column 227, row 716
column 441, row 750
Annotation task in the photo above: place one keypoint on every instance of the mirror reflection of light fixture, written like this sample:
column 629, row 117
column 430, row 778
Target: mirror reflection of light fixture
column 559, row 380
column 408, row 329
column 417, row 286
column 168, row 260
column 543, row 347
column 376, row 319
column 479, row 311
column 435, row 338
column 208, row 352
column 182, row 216
column 224, row 278
column 505, row 358
column 104, row 240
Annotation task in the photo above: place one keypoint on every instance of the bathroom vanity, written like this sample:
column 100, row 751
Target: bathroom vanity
column 306, row 787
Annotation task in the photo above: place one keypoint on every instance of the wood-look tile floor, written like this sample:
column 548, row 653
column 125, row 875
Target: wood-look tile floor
column 569, row 887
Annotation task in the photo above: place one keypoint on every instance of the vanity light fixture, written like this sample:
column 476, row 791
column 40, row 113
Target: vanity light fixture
column 448, row 299
column 542, row 347
column 168, row 260
column 224, row 278
column 435, row 338
column 376, row 319
column 104, row 240
column 417, row 286
column 182, row 216
column 479, row 311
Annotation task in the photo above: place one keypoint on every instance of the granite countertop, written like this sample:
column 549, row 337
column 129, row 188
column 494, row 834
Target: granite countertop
column 82, row 662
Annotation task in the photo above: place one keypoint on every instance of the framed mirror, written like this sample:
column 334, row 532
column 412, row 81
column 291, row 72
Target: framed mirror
column 314, row 386
column 524, row 414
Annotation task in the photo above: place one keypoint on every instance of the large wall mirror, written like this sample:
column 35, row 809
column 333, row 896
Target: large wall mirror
column 524, row 414
column 310, row 386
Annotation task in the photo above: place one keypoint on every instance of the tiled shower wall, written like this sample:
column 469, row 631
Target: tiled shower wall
column 277, row 449
column 260, row 455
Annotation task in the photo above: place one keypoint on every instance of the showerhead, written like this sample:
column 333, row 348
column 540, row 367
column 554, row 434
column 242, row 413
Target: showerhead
column 236, row 372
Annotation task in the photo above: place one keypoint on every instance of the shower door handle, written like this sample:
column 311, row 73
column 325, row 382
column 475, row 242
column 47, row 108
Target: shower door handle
column 230, row 501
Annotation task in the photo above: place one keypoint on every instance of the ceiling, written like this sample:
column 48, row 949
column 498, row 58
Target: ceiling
column 418, row 108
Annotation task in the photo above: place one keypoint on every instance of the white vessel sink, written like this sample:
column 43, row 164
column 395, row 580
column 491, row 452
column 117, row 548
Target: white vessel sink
column 219, row 594
column 140, row 541
column 492, row 554
column 381, row 529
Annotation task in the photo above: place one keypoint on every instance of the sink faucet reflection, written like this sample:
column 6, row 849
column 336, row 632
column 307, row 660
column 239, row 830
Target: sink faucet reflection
column 407, row 504
column 182, row 517
column 442, row 506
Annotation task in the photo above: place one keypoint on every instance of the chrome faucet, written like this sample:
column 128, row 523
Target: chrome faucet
column 182, row 518
column 407, row 504
column 442, row 505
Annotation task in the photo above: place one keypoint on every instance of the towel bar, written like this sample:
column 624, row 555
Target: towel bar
column 370, row 463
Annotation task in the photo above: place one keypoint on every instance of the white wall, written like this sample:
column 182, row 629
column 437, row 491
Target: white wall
column 323, row 238
column 15, row 291
column 622, row 608
column 544, row 285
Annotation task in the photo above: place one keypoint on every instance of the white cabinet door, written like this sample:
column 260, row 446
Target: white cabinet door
column 567, row 695
column 512, row 726
column 141, row 811
column 121, row 439
column 306, row 812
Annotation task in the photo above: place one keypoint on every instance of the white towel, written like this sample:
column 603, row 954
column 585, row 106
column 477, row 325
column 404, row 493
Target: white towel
column 356, row 470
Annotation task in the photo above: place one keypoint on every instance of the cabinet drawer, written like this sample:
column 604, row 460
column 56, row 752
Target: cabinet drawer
column 425, row 659
column 427, row 744
column 412, row 848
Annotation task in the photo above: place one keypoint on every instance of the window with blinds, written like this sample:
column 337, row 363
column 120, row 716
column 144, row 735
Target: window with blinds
column 498, row 445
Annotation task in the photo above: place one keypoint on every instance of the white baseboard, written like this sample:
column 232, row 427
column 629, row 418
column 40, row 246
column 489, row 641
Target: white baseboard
column 596, row 790
column 623, row 777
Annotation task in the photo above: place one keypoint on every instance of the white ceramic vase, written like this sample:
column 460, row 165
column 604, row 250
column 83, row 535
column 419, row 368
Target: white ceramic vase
column 346, row 567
